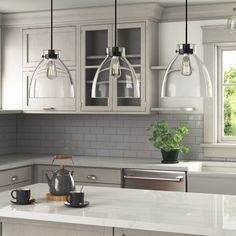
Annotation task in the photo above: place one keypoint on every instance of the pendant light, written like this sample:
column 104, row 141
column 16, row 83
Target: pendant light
column 51, row 77
column 116, row 67
column 231, row 24
column 186, row 75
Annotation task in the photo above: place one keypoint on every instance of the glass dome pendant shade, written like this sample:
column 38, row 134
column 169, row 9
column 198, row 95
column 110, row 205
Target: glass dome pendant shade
column 115, row 67
column 51, row 78
column 186, row 75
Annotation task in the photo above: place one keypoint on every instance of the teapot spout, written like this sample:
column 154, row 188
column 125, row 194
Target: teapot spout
column 48, row 180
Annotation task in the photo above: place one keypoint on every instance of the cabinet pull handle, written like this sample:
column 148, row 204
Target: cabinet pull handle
column 92, row 177
column 176, row 179
column 14, row 178
column 48, row 108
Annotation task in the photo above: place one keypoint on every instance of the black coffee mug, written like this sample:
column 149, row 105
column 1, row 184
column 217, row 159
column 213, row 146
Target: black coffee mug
column 75, row 198
column 22, row 195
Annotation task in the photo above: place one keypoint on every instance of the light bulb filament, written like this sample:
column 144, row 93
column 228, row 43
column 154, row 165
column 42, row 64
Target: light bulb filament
column 115, row 67
column 186, row 69
column 51, row 70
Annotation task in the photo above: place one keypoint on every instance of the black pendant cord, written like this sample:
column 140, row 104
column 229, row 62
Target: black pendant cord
column 115, row 23
column 186, row 22
column 51, row 24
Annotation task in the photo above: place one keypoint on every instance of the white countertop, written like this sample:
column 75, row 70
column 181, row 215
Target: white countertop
column 18, row 160
column 184, row 213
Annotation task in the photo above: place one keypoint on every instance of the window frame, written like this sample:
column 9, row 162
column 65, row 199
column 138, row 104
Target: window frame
column 213, row 37
column 220, row 89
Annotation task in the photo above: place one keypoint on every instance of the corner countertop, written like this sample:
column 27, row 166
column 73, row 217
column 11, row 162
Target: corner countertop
column 19, row 160
column 160, row 211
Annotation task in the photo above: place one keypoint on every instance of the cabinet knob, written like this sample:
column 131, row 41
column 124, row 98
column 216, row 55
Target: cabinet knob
column 14, row 178
column 92, row 177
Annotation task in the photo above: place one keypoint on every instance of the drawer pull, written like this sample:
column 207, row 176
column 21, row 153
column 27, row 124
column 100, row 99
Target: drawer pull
column 14, row 178
column 92, row 177
column 48, row 108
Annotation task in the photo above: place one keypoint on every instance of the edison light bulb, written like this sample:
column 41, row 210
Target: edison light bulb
column 186, row 66
column 51, row 70
column 115, row 67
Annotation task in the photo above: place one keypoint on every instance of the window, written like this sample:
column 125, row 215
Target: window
column 220, row 110
column 227, row 94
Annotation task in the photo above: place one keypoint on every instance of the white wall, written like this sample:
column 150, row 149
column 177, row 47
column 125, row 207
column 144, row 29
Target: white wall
column 173, row 33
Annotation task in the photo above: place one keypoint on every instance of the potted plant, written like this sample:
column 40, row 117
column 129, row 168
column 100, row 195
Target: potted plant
column 168, row 140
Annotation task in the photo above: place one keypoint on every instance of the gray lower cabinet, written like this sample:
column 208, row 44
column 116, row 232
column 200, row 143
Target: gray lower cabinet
column 28, row 228
column 109, row 177
column 15, row 178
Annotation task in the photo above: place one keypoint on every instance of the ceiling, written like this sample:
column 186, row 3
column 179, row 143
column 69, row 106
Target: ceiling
column 12, row 6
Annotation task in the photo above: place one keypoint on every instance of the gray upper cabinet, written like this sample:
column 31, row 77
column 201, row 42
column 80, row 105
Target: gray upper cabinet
column 34, row 42
column 49, row 103
column 82, row 36
column 114, row 93
column 38, row 39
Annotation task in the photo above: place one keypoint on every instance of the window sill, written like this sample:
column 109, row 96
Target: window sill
column 224, row 150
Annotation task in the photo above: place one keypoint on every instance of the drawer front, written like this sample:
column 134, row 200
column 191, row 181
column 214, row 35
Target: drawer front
column 14, row 176
column 97, row 175
column 14, row 186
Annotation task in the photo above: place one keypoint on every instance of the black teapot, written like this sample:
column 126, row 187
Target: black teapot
column 62, row 181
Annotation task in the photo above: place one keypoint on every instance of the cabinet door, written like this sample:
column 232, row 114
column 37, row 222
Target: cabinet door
column 132, row 38
column 50, row 100
column 37, row 40
column 94, row 41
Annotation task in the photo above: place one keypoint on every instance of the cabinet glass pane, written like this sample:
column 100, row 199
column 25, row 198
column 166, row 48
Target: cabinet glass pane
column 130, row 39
column 96, row 44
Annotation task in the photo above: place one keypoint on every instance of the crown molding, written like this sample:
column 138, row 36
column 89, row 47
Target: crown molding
column 200, row 12
column 217, row 34
column 147, row 11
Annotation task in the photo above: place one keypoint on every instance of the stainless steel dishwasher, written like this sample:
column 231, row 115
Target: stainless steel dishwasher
column 154, row 179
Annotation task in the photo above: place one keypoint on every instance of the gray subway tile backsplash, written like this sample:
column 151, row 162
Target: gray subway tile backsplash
column 8, row 140
column 101, row 135
column 93, row 135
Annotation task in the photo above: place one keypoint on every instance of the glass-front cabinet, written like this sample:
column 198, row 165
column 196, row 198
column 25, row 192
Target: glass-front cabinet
column 112, row 94
column 95, row 40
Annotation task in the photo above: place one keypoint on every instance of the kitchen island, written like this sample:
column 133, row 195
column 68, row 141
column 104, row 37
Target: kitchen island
column 121, row 212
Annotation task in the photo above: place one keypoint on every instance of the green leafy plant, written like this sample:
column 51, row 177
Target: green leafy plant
column 166, row 138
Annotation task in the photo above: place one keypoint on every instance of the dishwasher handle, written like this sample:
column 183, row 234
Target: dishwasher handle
column 176, row 179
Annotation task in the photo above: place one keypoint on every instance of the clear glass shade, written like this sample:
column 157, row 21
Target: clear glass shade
column 118, row 69
column 231, row 24
column 186, row 76
column 51, row 79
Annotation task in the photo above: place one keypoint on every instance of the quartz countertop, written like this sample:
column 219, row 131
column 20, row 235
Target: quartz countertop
column 19, row 160
column 175, row 212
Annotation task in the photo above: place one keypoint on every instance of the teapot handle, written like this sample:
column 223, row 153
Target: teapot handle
column 63, row 157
